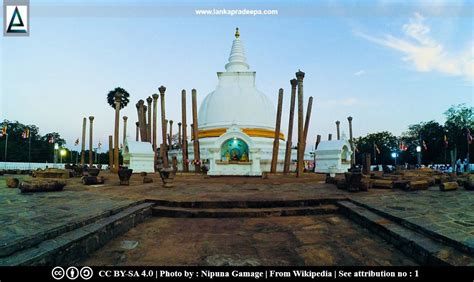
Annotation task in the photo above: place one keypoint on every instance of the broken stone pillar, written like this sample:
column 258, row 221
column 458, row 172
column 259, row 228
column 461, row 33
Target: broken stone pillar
column 171, row 134
column 366, row 165
column 83, row 151
column 337, row 130
column 329, row 137
column 197, row 156
column 307, row 120
column 148, row 128
column 125, row 118
column 185, row 134
column 286, row 166
column 111, row 153
column 351, row 140
column 180, row 143
column 155, row 148
column 318, row 140
column 164, row 153
column 136, row 130
column 276, row 140
column 300, row 161
column 145, row 122
column 91, row 119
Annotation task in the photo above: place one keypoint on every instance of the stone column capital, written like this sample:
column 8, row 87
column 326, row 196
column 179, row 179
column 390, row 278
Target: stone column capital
column 299, row 75
column 162, row 90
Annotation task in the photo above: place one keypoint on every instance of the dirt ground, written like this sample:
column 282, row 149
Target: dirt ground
column 278, row 241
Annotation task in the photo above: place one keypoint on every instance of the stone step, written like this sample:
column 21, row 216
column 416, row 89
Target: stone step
column 425, row 250
column 9, row 248
column 242, row 212
column 246, row 204
column 72, row 246
column 463, row 247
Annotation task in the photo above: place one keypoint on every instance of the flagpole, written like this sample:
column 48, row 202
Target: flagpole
column 468, row 141
column 29, row 149
column 6, row 148
column 375, row 155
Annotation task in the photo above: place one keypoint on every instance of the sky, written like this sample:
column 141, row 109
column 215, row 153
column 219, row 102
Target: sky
column 388, row 64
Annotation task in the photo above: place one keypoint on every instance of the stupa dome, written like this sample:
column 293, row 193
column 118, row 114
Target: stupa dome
column 236, row 101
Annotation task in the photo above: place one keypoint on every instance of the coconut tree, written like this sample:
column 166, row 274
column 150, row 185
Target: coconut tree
column 117, row 99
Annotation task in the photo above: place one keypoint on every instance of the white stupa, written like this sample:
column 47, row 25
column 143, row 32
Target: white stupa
column 236, row 123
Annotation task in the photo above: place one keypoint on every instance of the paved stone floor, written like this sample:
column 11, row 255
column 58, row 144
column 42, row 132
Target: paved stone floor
column 306, row 240
column 448, row 213
column 25, row 216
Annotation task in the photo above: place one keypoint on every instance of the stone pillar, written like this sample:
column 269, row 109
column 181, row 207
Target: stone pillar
column 195, row 130
column 329, row 137
column 164, row 152
column 171, row 134
column 318, row 140
column 145, row 123
column 300, row 163
column 308, row 118
column 155, row 148
column 276, row 140
column 366, row 166
column 148, row 128
column 91, row 119
column 111, row 153
column 185, row 134
column 83, row 152
column 141, row 121
column 180, row 142
column 289, row 137
column 125, row 118
column 116, row 134
column 337, row 130
column 351, row 140
column 136, row 130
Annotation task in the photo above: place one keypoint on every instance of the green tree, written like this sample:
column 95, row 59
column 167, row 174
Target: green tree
column 432, row 133
column 124, row 97
column 386, row 143
column 459, row 118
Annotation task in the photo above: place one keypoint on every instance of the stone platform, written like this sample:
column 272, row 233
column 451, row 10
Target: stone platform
column 432, row 212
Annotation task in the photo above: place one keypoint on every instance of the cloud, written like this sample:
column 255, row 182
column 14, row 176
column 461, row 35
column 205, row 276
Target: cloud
column 424, row 52
column 359, row 73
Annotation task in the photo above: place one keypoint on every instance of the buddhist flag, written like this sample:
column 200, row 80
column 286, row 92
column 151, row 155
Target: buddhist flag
column 403, row 147
column 469, row 136
column 377, row 149
column 4, row 131
column 26, row 133
column 77, row 142
column 424, row 145
column 446, row 143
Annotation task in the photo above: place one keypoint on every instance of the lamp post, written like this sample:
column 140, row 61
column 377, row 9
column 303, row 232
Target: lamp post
column 56, row 148
column 62, row 153
column 394, row 156
column 418, row 155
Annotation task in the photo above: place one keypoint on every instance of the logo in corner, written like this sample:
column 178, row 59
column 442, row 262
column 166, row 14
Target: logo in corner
column 16, row 18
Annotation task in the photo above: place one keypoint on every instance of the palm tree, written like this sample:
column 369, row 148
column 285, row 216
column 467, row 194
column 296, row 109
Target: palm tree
column 122, row 96
column 124, row 99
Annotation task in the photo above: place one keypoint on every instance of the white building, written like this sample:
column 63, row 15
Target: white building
column 138, row 156
column 333, row 156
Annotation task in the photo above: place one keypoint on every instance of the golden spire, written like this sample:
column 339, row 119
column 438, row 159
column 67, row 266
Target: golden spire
column 237, row 34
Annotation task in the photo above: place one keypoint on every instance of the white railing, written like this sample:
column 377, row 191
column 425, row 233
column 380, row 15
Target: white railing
column 32, row 166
